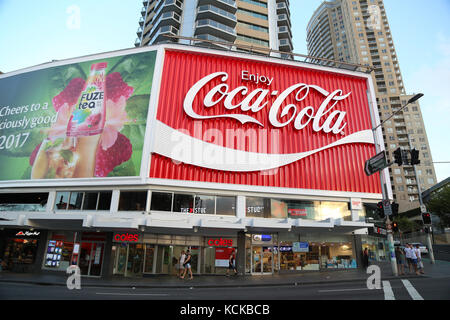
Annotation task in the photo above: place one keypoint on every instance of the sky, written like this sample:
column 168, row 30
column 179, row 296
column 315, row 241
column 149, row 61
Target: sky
column 33, row 32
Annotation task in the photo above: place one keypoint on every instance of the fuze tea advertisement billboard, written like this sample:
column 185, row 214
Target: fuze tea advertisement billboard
column 80, row 120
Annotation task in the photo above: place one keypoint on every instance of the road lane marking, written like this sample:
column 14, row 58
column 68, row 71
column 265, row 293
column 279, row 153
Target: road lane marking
column 411, row 290
column 131, row 294
column 388, row 293
column 336, row 290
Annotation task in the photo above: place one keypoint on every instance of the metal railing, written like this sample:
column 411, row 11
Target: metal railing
column 267, row 51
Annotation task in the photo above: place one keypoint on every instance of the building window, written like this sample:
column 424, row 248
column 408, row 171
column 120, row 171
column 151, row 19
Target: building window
column 89, row 200
column 296, row 209
column 23, row 201
column 253, row 14
column 161, row 201
column 132, row 200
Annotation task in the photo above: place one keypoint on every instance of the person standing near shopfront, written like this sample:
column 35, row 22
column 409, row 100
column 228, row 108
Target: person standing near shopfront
column 181, row 263
column 232, row 263
column 365, row 258
column 187, row 265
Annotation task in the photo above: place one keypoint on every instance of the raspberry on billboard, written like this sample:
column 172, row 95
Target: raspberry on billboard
column 82, row 119
column 262, row 122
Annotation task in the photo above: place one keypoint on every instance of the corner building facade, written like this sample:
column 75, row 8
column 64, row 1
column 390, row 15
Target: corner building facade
column 215, row 153
column 359, row 32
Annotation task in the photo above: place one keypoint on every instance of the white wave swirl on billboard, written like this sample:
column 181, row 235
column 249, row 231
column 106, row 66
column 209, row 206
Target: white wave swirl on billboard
column 181, row 147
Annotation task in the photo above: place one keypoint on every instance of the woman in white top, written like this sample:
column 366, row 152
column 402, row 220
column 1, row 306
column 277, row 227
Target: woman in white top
column 181, row 263
column 411, row 254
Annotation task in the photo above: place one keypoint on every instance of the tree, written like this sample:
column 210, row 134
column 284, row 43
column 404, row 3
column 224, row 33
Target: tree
column 439, row 205
column 406, row 225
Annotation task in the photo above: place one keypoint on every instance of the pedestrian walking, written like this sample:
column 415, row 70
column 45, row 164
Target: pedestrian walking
column 365, row 258
column 419, row 259
column 181, row 263
column 411, row 255
column 400, row 256
column 232, row 264
column 187, row 265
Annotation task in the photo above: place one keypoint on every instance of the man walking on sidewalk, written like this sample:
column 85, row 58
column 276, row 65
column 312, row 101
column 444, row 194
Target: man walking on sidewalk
column 419, row 259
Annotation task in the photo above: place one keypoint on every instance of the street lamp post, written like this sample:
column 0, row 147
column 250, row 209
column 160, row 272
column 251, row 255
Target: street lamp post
column 390, row 236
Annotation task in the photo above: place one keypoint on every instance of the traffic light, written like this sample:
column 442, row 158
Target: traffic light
column 395, row 226
column 380, row 209
column 415, row 157
column 394, row 207
column 426, row 218
column 398, row 156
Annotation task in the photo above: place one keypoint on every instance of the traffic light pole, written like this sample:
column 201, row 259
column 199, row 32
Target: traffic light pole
column 429, row 244
column 384, row 190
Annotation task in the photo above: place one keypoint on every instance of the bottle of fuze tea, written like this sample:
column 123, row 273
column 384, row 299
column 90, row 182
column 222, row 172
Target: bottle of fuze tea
column 88, row 120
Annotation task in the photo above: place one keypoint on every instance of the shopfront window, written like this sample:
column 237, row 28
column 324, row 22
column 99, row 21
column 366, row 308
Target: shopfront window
column 23, row 201
column 297, row 209
column 60, row 247
column 226, row 206
column 19, row 252
column 183, row 203
column 132, row 200
column 204, row 204
column 337, row 255
column 258, row 207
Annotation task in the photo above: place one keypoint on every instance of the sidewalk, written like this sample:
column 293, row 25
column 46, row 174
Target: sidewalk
column 440, row 270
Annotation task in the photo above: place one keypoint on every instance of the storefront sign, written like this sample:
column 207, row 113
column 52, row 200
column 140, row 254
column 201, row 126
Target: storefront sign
column 262, row 237
column 126, row 237
column 356, row 204
column 220, row 242
column 300, row 247
column 300, row 120
column 27, row 234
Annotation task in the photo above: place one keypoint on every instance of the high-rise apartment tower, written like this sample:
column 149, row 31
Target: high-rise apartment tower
column 256, row 23
column 358, row 31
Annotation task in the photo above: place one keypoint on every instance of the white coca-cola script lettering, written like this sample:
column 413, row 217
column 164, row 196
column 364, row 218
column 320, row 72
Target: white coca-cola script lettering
column 254, row 102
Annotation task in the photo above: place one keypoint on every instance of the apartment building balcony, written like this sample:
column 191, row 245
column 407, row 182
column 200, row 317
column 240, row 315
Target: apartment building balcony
column 282, row 8
column 285, row 45
column 283, row 20
column 284, row 32
column 137, row 42
column 143, row 11
column 214, row 28
column 209, row 37
column 228, row 5
column 214, row 13
column 141, row 21
column 160, row 35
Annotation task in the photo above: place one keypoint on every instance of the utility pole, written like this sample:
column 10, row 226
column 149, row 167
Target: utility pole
column 422, row 208
column 386, row 202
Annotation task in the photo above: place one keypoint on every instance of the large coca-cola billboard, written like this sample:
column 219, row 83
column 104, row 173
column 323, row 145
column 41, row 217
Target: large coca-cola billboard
column 259, row 122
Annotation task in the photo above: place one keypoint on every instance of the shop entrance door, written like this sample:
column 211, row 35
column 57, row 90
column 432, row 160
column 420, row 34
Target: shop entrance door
column 91, row 258
column 262, row 260
column 135, row 260
column 163, row 259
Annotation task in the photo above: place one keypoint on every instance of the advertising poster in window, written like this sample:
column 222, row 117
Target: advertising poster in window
column 79, row 120
column 223, row 256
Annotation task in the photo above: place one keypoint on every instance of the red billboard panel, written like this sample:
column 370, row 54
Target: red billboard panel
column 224, row 119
